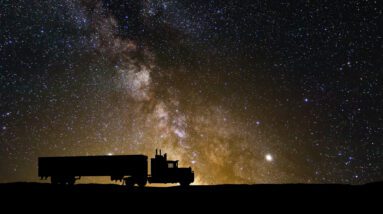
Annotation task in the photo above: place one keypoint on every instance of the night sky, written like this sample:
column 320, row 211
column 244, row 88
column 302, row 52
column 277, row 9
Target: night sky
column 242, row 91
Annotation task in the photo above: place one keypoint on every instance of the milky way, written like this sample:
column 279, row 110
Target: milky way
column 243, row 92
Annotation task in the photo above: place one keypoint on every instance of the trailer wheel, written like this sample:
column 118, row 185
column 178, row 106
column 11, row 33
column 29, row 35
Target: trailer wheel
column 54, row 180
column 71, row 181
column 129, row 182
column 59, row 180
column 141, row 183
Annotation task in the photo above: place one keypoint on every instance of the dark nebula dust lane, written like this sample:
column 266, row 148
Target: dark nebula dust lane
column 241, row 91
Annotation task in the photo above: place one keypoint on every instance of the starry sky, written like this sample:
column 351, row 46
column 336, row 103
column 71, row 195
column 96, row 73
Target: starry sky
column 242, row 91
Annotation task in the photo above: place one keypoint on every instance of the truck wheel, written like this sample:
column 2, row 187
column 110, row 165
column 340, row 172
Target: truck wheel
column 71, row 181
column 54, row 180
column 129, row 182
column 141, row 183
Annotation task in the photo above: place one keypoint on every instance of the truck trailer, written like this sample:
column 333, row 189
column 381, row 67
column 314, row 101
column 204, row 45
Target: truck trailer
column 131, row 169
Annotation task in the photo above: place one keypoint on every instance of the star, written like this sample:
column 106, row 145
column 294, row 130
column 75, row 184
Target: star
column 269, row 158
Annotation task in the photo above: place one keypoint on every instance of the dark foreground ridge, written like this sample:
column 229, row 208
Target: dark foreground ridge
column 35, row 186
column 46, row 188
column 246, row 195
column 25, row 187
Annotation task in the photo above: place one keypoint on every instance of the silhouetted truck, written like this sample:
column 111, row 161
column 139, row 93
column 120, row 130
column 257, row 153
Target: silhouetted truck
column 132, row 169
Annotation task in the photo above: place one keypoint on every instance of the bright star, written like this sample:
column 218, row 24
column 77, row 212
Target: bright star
column 269, row 157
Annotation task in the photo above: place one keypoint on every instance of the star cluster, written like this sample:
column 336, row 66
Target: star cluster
column 241, row 91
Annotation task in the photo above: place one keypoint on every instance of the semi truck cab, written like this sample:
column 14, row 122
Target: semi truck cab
column 167, row 171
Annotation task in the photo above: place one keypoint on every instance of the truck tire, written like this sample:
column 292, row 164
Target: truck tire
column 71, row 181
column 129, row 182
column 141, row 182
column 185, row 183
column 59, row 180
column 54, row 180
